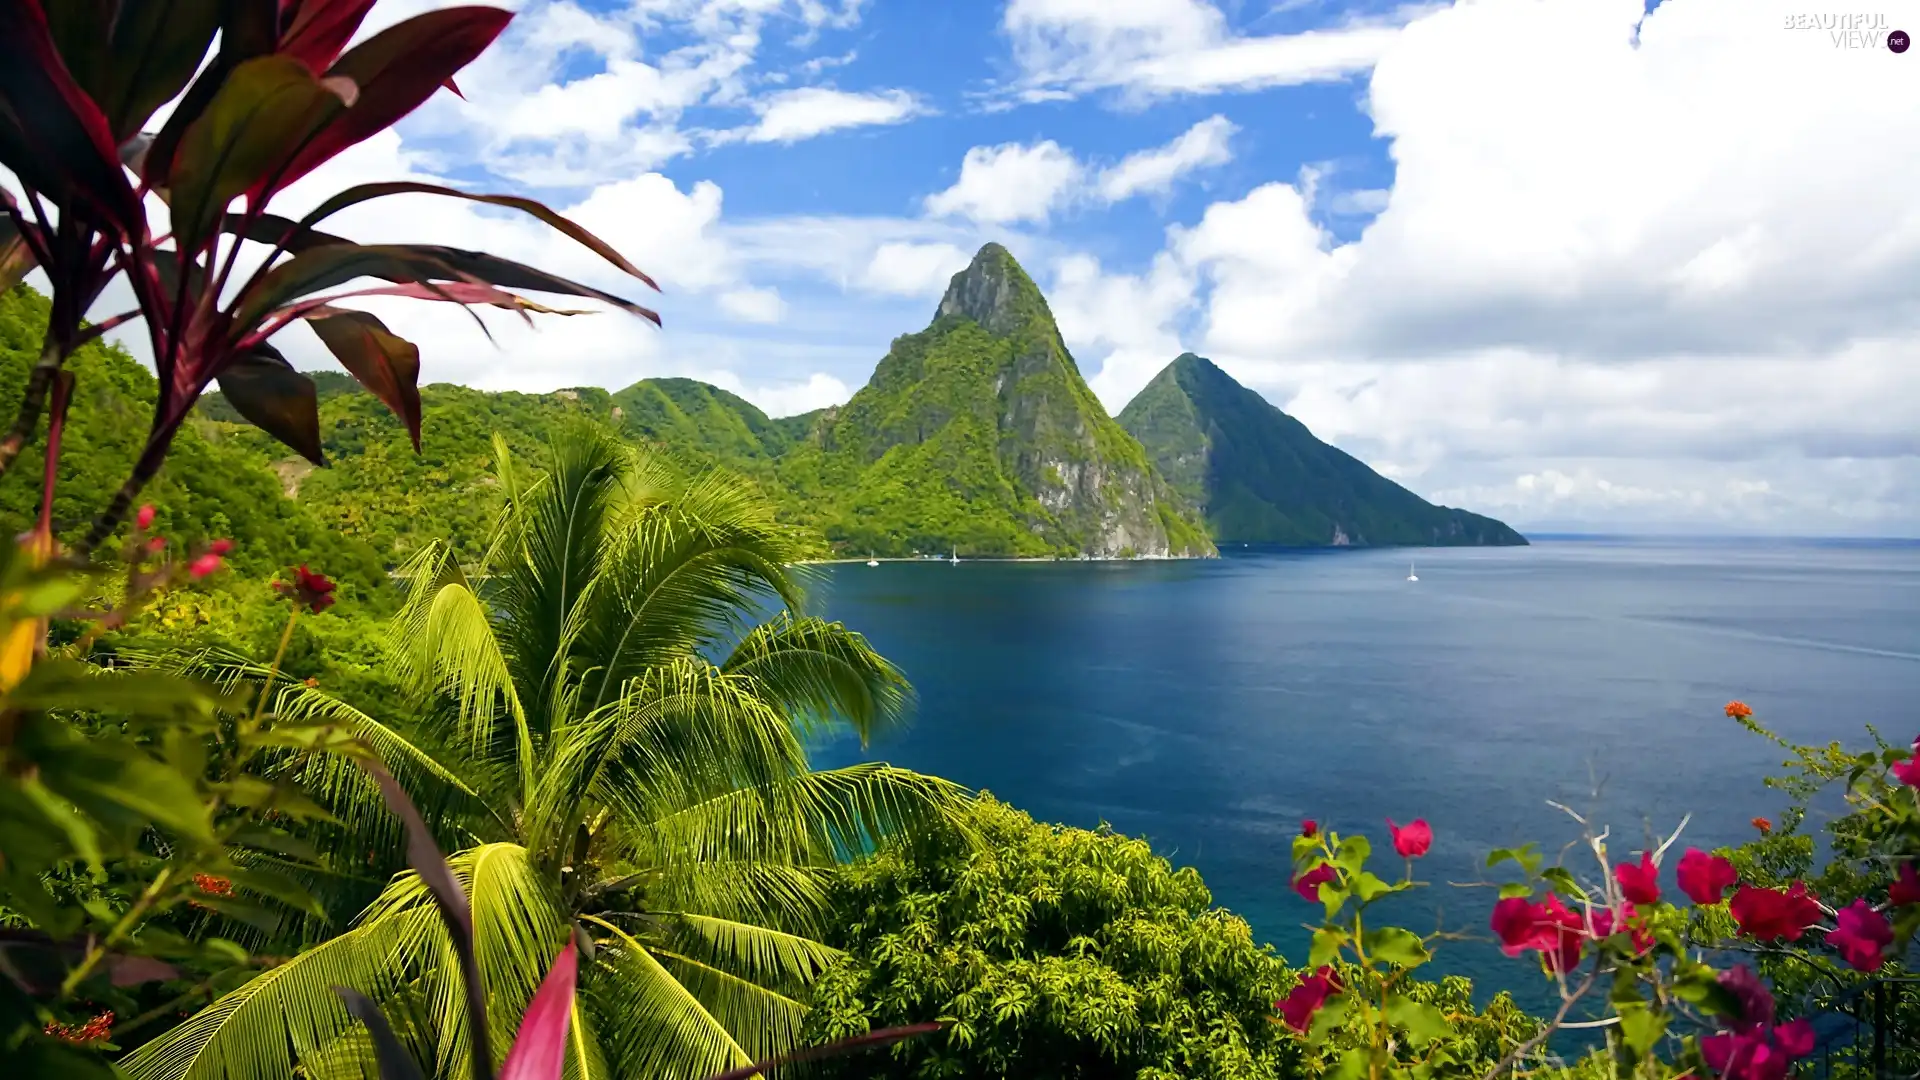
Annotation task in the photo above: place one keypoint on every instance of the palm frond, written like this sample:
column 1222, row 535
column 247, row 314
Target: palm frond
column 653, row 1026
column 820, row 672
column 278, row 1019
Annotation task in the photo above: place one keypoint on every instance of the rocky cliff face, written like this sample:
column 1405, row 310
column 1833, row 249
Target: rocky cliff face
column 979, row 434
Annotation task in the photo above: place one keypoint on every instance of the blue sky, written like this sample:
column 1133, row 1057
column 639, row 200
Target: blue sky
column 1575, row 263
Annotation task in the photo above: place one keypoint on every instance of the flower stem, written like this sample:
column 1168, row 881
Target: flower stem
column 273, row 670
column 120, row 929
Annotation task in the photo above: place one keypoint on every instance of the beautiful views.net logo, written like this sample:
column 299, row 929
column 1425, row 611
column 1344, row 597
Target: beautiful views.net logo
column 1856, row 30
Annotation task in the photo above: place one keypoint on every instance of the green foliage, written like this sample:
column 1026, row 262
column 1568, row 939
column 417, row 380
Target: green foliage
column 1058, row 952
column 1261, row 476
column 614, row 747
column 212, row 486
column 979, row 435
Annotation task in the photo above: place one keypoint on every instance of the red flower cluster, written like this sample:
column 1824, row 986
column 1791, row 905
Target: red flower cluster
column 1308, row 884
column 201, row 565
column 1412, row 841
column 1705, row 878
column 213, row 885
column 1770, row 914
column 1739, row 710
column 1765, row 826
column 308, row 589
column 93, row 1031
column 1754, row 1048
column 1309, row 828
column 1298, row 1007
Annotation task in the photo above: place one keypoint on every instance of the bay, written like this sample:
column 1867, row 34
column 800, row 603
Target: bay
column 1211, row 706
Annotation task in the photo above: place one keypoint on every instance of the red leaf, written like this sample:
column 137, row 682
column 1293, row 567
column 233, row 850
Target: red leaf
column 132, row 56
column 539, row 1051
column 267, row 109
column 364, row 192
column 398, row 69
column 385, row 363
column 248, row 28
column 275, row 398
column 52, row 135
column 318, row 30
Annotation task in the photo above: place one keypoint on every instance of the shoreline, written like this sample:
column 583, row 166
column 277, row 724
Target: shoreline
column 996, row 559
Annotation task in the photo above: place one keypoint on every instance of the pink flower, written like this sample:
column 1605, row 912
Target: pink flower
column 1752, row 995
column 1308, row 884
column 156, row 544
column 1412, row 841
column 1908, row 771
column 1906, row 887
column 1769, row 914
column 1705, row 878
column 1309, row 828
column 1298, row 1007
column 1604, row 927
column 1549, row 929
column 220, row 547
column 1861, row 936
column 1639, row 884
column 204, row 565
column 1764, row 1054
column 144, row 519
column 307, row 589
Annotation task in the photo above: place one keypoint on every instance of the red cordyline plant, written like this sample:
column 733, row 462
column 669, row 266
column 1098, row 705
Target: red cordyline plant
column 80, row 79
column 1611, row 939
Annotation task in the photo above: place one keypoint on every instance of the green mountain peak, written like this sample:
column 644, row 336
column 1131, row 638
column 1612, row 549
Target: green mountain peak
column 1259, row 476
column 979, row 435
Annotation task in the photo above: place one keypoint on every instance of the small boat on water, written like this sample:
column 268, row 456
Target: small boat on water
column 956, row 557
column 871, row 561
column 1411, row 576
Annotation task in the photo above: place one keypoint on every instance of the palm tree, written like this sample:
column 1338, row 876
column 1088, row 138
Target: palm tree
column 630, row 689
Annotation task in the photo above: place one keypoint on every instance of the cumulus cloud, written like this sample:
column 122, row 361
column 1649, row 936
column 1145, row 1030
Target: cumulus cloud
column 1678, row 252
column 1009, row 183
column 1155, row 171
column 1015, row 182
column 815, row 110
column 909, row 269
column 1147, row 49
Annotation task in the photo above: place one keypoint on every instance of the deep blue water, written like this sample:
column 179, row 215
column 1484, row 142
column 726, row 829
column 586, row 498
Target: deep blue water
column 1209, row 706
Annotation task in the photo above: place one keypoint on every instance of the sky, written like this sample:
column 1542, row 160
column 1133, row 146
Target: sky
column 1578, row 264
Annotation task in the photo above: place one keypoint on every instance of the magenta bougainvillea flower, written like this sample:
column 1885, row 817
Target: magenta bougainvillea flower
column 1413, row 840
column 1309, row 828
column 1606, row 924
column 1705, row 878
column 1861, row 936
column 1640, row 883
column 1308, row 884
column 1906, row 887
column 1298, row 1007
column 1770, row 914
column 1908, row 771
column 1556, row 933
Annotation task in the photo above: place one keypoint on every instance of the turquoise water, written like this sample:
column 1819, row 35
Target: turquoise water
column 1210, row 706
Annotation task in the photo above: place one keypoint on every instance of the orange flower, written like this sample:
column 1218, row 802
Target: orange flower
column 212, row 885
column 94, row 1030
column 1739, row 710
column 312, row 682
column 1765, row 826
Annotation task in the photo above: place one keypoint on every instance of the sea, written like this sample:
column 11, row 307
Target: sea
column 1211, row 706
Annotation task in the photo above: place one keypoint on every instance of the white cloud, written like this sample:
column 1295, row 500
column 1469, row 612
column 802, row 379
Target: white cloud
column 1684, row 259
column 809, row 111
column 753, row 305
column 1020, row 182
column 1009, row 183
column 1155, row 171
column 791, row 399
column 1157, row 48
column 910, row 269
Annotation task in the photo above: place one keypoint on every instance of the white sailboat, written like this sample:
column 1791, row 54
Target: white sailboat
column 956, row 557
column 1411, row 576
column 871, row 561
